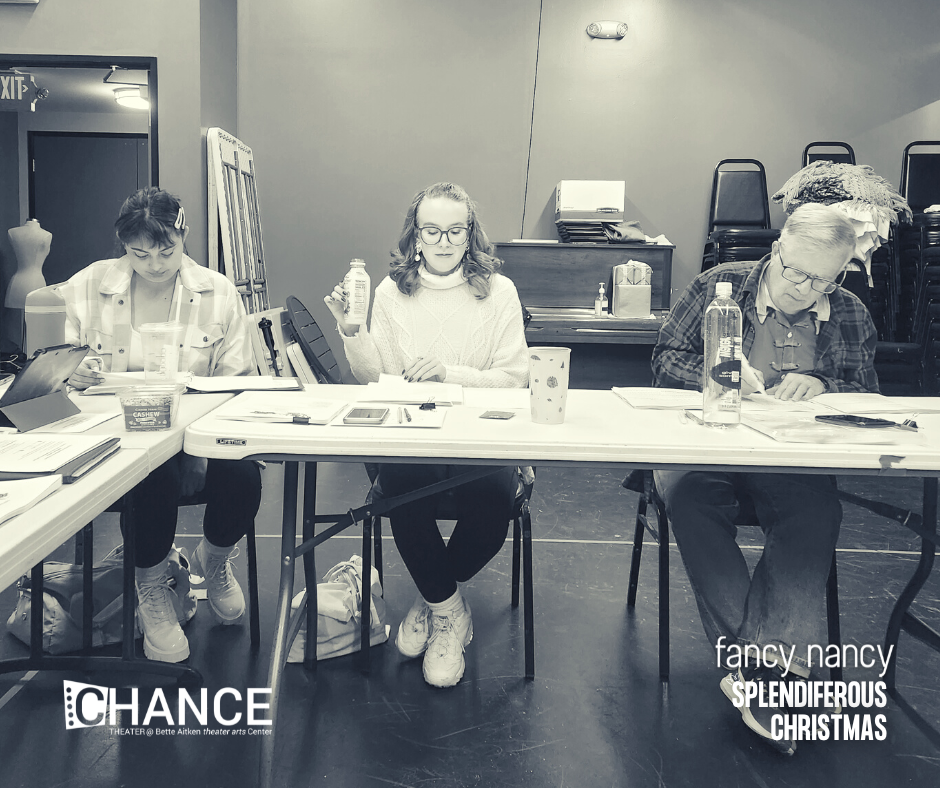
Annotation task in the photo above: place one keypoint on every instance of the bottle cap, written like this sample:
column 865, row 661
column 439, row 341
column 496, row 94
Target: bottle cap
column 357, row 261
column 723, row 289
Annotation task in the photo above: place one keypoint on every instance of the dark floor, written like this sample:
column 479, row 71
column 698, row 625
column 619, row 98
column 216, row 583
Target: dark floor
column 596, row 714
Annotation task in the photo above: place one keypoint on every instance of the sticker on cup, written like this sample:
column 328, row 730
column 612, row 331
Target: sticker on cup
column 548, row 383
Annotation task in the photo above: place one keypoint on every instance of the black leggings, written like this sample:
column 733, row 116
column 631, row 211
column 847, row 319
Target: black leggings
column 232, row 495
column 482, row 507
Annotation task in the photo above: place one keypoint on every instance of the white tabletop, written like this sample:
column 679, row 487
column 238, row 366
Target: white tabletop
column 31, row 536
column 599, row 428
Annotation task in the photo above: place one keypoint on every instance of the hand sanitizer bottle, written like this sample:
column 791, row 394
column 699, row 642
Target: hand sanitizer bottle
column 600, row 303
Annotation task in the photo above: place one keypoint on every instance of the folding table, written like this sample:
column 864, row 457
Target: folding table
column 599, row 430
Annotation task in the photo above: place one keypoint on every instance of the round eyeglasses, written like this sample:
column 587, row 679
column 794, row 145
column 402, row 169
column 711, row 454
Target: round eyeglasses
column 818, row 284
column 431, row 235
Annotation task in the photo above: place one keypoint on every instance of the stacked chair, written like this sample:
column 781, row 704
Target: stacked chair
column 739, row 215
column 918, row 320
column 836, row 152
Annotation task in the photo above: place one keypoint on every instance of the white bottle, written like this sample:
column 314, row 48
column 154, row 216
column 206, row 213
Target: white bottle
column 600, row 303
column 358, row 290
column 721, row 404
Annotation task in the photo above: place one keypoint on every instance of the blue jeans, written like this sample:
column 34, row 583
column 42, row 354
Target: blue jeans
column 783, row 604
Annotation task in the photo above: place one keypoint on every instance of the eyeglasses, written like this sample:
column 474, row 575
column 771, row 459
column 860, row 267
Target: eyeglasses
column 431, row 235
column 797, row 276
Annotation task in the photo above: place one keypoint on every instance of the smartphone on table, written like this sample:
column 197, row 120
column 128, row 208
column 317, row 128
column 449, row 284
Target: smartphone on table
column 367, row 416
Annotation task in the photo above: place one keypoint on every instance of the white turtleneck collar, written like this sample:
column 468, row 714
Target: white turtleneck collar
column 437, row 282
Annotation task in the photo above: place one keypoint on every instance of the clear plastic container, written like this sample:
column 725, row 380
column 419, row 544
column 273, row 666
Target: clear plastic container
column 150, row 408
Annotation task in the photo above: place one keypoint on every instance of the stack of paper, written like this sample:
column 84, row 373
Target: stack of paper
column 287, row 407
column 687, row 399
column 395, row 389
column 71, row 456
column 21, row 495
column 864, row 402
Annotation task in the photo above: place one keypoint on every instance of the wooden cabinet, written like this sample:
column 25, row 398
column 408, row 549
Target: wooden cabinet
column 557, row 283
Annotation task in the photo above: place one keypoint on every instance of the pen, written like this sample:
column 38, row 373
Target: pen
column 399, row 415
column 407, row 414
column 689, row 414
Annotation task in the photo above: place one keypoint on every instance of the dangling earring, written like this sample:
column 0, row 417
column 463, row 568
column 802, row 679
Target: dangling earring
column 418, row 252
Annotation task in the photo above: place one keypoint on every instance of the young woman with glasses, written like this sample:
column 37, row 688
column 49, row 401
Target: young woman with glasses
column 442, row 314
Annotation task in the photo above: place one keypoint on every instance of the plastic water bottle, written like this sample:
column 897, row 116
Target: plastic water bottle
column 358, row 289
column 721, row 405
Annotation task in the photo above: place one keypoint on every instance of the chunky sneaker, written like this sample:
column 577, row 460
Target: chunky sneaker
column 214, row 564
column 444, row 662
column 157, row 616
column 757, row 717
column 415, row 630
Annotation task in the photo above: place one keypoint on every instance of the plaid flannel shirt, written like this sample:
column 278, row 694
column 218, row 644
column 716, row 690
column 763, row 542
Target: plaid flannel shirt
column 98, row 314
column 845, row 345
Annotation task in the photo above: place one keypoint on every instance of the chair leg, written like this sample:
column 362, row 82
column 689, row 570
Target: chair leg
column 516, row 557
column 80, row 548
column 663, row 591
column 87, row 555
column 365, row 619
column 832, row 614
column 254, row 612
column 528, row 602
column 638, row 533
column 377, row 542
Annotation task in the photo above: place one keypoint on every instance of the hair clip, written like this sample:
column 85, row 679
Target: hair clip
column 180, row 222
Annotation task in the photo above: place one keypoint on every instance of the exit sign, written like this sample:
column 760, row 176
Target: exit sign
column 17, row 92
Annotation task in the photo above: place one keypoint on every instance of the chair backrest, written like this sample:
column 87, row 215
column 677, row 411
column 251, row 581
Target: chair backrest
column 920, row 176
column 844, row 155
column 316, row 349
column 45, row 319
column 739, row 196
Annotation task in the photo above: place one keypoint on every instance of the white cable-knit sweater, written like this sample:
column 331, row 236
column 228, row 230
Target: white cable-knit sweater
column 480, row 342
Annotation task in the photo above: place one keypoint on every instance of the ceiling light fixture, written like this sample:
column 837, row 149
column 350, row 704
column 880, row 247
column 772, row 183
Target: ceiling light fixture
column 132, row 97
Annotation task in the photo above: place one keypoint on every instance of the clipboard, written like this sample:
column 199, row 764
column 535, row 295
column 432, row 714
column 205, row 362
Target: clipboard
column 37, row 395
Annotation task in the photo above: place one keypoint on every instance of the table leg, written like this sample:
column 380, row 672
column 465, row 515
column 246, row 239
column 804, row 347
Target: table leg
column 309, row 508
column 900, row 617
column 282, row 616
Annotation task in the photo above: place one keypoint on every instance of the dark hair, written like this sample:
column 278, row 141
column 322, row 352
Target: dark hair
column 151, row 214
column 478, row 263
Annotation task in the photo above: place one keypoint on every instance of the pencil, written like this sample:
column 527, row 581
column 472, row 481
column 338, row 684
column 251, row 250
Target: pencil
column 407, row 414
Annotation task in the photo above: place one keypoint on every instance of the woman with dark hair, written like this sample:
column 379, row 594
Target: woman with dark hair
column 154, row 281
column 442, row 314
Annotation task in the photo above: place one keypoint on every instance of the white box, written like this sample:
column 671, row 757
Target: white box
column 589, row 201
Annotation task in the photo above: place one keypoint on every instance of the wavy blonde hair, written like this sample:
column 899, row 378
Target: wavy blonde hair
column 479, row 263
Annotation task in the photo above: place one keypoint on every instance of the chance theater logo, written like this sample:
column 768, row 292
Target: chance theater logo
column 86, row 705
column 90, row 706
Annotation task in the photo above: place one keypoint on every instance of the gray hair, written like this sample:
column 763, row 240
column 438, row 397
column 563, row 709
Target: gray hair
column 821, row 226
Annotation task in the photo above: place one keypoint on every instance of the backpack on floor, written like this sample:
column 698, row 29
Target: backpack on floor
column 339, row 613
column 63, row 597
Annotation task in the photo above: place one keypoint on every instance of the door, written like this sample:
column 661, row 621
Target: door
column 77, row 184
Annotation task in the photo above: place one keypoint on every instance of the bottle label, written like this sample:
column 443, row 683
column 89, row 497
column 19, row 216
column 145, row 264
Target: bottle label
column 357, row 296
column 727, row 372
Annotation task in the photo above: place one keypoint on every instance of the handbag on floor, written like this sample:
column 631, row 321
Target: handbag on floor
column 339, row 612
column 63, row 596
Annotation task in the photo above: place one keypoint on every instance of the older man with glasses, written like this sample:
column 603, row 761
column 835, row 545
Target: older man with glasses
column 803, row 335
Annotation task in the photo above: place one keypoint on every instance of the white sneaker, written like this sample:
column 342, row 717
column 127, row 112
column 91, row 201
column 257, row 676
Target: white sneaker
column 214, row 564
column 444, row 662
column 415, row 630
column 164, row 639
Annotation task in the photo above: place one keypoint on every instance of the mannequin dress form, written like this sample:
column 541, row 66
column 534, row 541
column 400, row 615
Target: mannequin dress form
column 31, row 245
